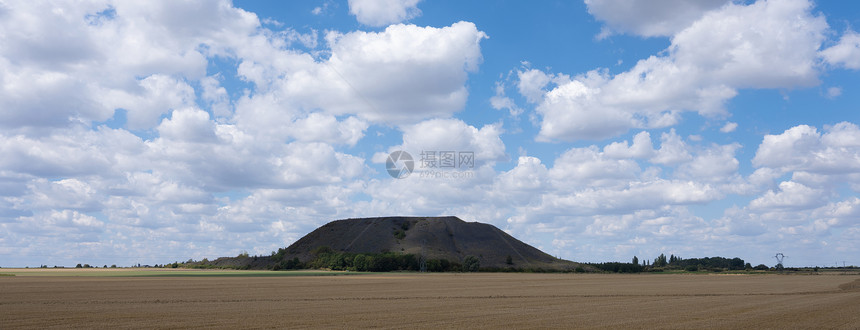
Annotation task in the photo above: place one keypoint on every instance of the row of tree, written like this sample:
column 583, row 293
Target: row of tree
column 326, row 258
column 674, row 262
column 703, row 263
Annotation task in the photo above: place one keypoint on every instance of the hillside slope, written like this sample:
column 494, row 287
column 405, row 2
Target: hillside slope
column 434, row 237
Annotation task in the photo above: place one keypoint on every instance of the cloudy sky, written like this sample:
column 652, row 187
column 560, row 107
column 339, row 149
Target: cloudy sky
column 156, row 131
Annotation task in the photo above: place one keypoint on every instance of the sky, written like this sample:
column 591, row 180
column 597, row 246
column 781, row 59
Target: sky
column 158, row 131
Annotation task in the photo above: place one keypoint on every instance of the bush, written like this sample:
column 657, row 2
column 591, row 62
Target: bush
column 619, row 267
column 692, row 268
column 471, row 264
column 359, row 263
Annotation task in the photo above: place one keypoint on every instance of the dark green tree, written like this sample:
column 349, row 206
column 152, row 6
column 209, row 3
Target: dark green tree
column 660, row 261
column 360, row 263
column 471, row 264
column 635, row 260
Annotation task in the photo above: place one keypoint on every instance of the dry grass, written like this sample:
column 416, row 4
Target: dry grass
column 433, row 300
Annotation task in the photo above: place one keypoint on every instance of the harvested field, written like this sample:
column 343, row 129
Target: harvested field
column 396, row 300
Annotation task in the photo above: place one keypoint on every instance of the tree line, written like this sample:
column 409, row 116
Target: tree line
column 673, row 262
column 326, row 258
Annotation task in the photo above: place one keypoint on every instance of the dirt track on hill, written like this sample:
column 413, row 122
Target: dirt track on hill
column 433, row 300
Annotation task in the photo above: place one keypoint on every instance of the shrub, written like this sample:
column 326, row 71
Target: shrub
column 471, row 264
column 692, row 268
column 321, row 250
column 619, row 267
column 359, row 263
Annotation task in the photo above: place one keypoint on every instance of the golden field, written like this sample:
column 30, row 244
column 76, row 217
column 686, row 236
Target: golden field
column 234, row 299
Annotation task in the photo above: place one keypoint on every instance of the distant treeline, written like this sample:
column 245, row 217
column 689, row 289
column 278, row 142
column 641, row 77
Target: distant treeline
column 327, row 258
column 662, row 263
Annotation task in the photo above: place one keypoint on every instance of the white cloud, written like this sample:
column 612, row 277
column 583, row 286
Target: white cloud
column 846, row 53
column 803, row 148
column 729, row 127
column 641, row 148
column 326, row 128
column 455, row 135
column 768, row 44
column 96, row 57
column 72, row 152
column 384, row 12
column 528, row 177
column 648, row 18
column 636, row 196
column 672, row 150
column 216, row 96
column 500, row 101
column 717, row 163
column 834, row 92
column 532, row 83
column 401, row 75
column 188, row 125
column 791, row 195
column 588, row 167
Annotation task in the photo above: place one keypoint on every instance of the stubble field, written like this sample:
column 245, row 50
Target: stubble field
column 161, row 299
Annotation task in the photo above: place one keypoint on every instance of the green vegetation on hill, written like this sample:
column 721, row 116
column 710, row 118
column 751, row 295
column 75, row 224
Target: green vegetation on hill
column 326, row 258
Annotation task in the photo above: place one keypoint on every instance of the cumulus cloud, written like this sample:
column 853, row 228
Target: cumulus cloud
column 326, row 128
column 846, row 53
column 673, row 149
column 385, row 12
column 767, row 44
column 528, row 176
column 648, row 18
column 641, row 147
column 455, row 135
column 717, row 163
column 98, row 56
column 791, row 195
column 401, row 75
column 803, row 148
column 813, row 202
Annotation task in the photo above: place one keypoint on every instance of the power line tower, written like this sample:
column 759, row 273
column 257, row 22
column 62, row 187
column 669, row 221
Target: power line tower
column 422, row 259
column 779, row 258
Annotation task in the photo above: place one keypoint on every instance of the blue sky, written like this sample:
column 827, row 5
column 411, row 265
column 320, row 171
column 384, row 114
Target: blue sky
column 161, row 131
